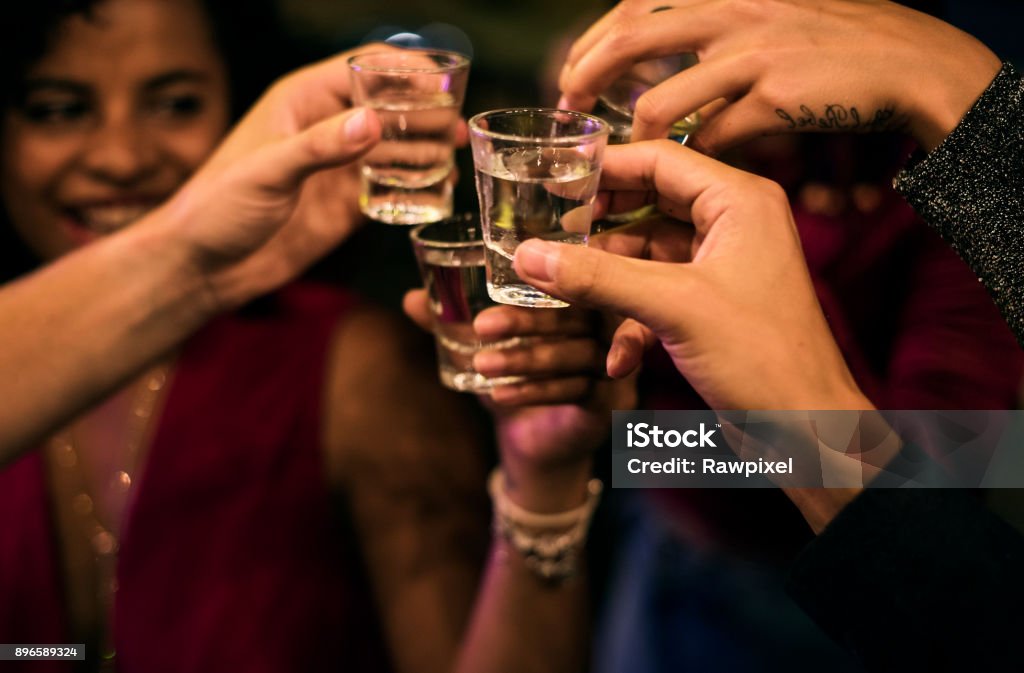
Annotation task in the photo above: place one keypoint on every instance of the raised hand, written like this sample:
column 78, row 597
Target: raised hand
column 733, row 305
column 281, row 190
column 778, row 66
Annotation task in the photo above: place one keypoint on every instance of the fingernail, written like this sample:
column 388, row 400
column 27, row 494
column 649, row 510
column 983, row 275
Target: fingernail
column 614, row 356
column 488, row 362
column 537, row 259
column 492, row 323
column 563, row 103
column 356, row 128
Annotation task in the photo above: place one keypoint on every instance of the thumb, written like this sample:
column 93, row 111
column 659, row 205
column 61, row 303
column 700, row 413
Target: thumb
column 635, row 288
column 329, row 143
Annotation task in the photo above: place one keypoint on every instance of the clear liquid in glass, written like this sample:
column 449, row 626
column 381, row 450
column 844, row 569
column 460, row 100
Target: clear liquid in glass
column 457, row 286
column 406, row 176
column 529, row 193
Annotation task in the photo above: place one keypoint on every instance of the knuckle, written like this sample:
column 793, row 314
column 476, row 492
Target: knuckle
column 652, row 108
column 545, row 358
column 704, row 142
column 517, row 361
column 577, row 388
column 523, row 321
column 747, row 8
column 754, row 60
column 622, row 38
column 770, row 190
column 320, row 147
column 280, row 87
column 575, row 51
column 580, row 279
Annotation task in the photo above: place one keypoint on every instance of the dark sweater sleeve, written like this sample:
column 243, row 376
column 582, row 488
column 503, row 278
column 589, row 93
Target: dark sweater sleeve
column 917, row 580
column 971, row 189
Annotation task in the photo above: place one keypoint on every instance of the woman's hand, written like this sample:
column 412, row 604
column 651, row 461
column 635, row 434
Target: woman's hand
column 777, row 66
column 548, row 425
column 280, row 191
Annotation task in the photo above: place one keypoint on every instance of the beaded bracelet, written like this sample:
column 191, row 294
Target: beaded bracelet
column 549, row 543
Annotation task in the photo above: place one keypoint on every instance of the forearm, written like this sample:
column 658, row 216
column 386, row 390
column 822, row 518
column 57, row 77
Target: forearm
column 521, row 621
column 76, row 329
column 819, row 506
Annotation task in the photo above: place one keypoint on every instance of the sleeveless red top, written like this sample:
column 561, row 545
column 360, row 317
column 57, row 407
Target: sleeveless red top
column 233, row 556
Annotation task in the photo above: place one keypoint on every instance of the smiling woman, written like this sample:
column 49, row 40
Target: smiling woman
column 196, row 504
column 92, row 139
column 108, row 107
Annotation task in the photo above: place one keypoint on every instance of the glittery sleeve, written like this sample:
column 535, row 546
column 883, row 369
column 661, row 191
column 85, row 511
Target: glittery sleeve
column 971, row 189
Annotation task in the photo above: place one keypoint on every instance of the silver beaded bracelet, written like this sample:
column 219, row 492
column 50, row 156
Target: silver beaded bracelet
column 550, row 544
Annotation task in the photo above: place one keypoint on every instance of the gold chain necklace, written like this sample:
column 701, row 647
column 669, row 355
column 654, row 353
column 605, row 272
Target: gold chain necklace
column 104, row 539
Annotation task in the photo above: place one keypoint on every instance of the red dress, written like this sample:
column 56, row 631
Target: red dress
column 233, row 556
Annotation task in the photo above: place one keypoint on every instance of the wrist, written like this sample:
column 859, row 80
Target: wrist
column 550, row 545
column 819, row 506
column 547, row 489
column 197, row 269
column 842, row 395
column 939, row 109
column 176, row 285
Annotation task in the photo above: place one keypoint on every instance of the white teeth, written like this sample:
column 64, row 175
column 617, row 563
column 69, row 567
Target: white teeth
column 105, row 219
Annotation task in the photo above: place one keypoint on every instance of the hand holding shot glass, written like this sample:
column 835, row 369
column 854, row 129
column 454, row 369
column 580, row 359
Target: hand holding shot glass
column 450, row 254
column 537, row 172
column 417, row 95
column 617, row 106
column 617, row 103
column 516, row 355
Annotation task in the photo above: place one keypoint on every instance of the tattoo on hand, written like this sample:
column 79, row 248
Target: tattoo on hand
column 838, row 118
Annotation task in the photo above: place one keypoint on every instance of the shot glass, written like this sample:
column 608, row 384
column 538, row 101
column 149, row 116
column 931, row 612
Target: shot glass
column 537, row 172
column 451, row 259
column 417, row 94
column 619, row 99
column 617, row 105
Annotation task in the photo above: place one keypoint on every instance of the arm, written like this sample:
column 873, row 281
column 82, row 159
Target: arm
column 75, row 329
column 250, row 220
column 915, row 578
column 406, row 453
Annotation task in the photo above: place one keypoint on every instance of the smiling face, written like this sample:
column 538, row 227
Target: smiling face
column 114, row 117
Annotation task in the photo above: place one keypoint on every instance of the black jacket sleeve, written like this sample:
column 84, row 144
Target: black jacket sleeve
column 918, row 580
column 971, row 189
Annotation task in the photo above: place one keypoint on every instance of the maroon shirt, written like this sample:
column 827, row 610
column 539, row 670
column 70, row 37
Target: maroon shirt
column 231, row 557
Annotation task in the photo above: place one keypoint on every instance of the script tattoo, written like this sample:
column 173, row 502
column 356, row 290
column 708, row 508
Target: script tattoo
column 837, row 117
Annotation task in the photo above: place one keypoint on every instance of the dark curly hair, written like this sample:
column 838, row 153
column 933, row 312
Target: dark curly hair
column 247, row 34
